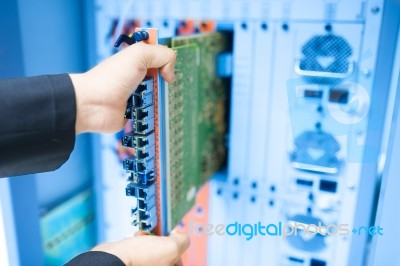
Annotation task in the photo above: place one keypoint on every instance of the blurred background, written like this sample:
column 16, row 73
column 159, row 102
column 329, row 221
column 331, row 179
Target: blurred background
column 314, row 130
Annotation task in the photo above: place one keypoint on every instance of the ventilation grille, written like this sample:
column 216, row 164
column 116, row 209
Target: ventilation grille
column 316, row 148
column 326, row 53
column 310, row 243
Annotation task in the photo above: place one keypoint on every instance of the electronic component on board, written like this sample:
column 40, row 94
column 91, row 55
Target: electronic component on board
column 142, row 166
column 142, row 99
column 142, row 114
column 144, row 153
column 140, row 108
column 128, row 112
column 142, row 192
column 146, row 192
column 141, row 178
column 144, row 205
column 137, row 141
column 148, row 215
column 143, row 127
column 146, row 218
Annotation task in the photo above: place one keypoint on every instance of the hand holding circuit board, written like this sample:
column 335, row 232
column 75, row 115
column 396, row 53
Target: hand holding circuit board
column 101, row 98
column 148, row 249
column 101, row 101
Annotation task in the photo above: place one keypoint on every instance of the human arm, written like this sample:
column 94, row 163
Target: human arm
column 140, row 250
column 40, row 116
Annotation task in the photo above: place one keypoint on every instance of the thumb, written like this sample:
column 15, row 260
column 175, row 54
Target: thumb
column 182, row 241
column 141, row 233
column 153, row 56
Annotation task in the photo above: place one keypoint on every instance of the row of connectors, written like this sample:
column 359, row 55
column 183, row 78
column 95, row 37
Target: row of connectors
column 141, row 166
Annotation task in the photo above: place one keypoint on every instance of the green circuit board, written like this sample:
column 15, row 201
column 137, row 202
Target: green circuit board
column 195, row 120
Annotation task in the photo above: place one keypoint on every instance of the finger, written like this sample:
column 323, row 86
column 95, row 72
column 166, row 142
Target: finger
column 141, row 233
column 182, row 241
column 179, row 263
column 168, row 72
column 155, row 56
column 125, row 122
column 180, row 228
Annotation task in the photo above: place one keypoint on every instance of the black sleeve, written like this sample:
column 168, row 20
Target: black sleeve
column 37, row 124
column 95, row 258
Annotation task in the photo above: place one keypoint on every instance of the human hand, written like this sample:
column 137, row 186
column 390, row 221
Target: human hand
column 102, row 92
column 148, row 250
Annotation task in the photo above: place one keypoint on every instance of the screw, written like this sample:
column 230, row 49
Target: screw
column 366, row 72
column 328, row 27
column 264, row 26
column 199, row 210
column 375, row 10
column 351, row 186
column 285, row 27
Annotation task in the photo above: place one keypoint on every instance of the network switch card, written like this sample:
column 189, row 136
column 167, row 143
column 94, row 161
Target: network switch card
column 195, row 109
column 178, row 131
